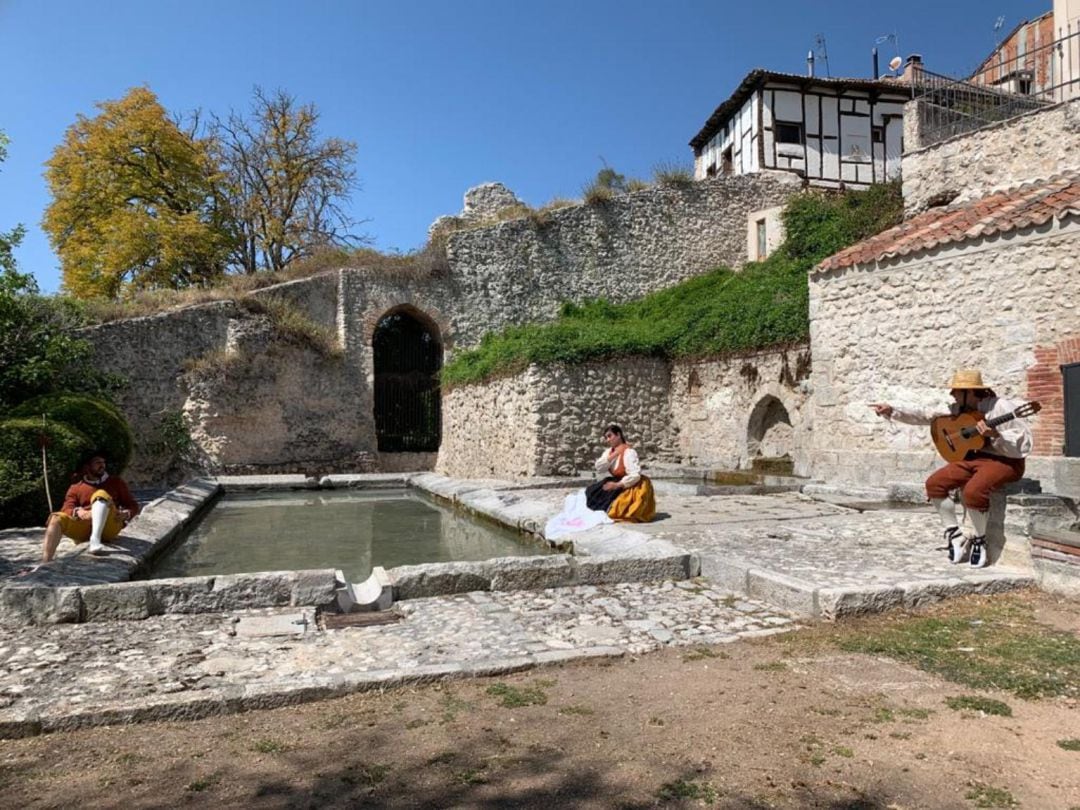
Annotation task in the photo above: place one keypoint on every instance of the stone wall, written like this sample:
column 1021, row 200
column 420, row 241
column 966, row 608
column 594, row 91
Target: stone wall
column 286, row 408
column 896, row 330
column 548, row 420
column 251, row 398
column 731, row 410
column 520, row 271
column 1037, row 145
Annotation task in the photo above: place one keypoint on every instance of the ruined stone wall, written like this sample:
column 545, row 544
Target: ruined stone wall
column 515, row 272
column 895, row 332
column 726, row 409
column 521, row 270
column 250, row 398
column 489, row 431
column 1037, row 145
column 549, row 420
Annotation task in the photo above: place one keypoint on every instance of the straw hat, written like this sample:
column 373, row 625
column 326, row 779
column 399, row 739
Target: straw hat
column 970, row 378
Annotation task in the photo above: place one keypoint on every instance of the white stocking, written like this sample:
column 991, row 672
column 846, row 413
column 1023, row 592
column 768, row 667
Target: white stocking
column 978, row 522
column 99, row 513
column 946, row 508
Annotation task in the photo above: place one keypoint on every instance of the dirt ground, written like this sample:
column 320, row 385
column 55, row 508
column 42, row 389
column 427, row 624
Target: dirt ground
column 787, row 722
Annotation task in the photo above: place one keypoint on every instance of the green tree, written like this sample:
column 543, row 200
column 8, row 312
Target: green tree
column 134, row 203
column 284, row 187
column 37, row 344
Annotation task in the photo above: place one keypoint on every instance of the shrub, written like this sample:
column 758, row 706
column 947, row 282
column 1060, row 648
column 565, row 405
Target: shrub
column 673, row 175
column 24, row 501
column 94, row 418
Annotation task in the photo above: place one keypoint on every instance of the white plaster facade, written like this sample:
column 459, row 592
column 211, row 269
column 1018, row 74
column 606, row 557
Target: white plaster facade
column 828, row 131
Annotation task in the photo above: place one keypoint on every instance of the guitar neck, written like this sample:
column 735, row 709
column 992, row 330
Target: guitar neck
column 1000, row 420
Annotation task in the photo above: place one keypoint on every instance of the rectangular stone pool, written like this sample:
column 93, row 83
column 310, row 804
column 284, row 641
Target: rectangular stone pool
column 353, row 530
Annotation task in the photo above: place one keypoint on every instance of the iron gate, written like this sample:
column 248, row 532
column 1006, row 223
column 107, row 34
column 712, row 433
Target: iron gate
column 408, row 410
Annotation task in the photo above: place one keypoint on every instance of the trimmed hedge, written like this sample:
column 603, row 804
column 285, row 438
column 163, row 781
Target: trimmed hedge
column 95, row 418
column 22, row 491
column 765, row 304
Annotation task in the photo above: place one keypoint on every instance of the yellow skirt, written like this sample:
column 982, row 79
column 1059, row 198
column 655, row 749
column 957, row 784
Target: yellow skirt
column 636, row 505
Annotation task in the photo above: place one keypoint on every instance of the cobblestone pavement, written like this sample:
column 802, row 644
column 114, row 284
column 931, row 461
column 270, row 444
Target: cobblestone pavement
column 62, row 676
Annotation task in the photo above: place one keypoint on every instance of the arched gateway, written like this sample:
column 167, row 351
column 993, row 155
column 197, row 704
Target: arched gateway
column 407, row 358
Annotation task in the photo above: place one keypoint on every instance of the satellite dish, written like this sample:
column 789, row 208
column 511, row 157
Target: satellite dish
column 895, row 62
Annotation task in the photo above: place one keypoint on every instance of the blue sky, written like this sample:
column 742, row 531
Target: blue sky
column 442, row 96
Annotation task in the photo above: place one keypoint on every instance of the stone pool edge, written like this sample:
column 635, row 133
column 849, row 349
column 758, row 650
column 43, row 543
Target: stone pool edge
column 82, row 588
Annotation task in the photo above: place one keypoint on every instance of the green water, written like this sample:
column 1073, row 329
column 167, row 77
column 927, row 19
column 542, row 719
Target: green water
column 351, row 530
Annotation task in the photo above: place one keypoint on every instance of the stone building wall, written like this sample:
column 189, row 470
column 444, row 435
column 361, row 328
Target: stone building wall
column 895, row 331
column 730, row 410
column 549, row 420
column 965, row 167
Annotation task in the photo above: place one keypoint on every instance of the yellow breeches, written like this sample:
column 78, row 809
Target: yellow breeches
column 637, row 504
column 79, row 530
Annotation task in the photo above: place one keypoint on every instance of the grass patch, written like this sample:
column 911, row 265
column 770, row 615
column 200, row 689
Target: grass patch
column 472, row 776
column 771, row 666
column 979, row 704
column 687, row 789
column 452, row 706
column 1070, row 744
column 203, row 783
column 765, row 304
column 988, row 796
column 701, row 653
column 998, row 645
column 843, row 751
column 365, row 775
column 268, row 746
column 884, row 715
column 915, row 714
column 900, row 735
column 673, row 175
column 512, row 697
column 579, row 710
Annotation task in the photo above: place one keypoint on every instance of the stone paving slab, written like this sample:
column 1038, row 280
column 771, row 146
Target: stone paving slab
column 813, row 557
column 186, row 666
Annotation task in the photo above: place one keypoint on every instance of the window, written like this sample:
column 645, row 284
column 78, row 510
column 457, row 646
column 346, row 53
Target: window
column 877, row 134
column 727, row 161
column 762, row 243
column 789, row 133
column 711, row 171
column 1071, row 378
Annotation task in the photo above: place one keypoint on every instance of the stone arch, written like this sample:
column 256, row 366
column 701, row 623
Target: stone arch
column 769, row 431
column 407, row 354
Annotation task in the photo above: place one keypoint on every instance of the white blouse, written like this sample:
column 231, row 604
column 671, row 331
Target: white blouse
column 630, row 461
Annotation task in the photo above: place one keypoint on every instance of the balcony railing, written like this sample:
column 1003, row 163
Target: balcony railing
column 1005, row 86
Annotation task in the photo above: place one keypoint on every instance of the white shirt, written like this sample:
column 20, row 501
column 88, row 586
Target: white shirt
column 1013, row 441
column 630, row 461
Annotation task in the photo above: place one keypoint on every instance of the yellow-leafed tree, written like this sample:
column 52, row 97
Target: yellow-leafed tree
column 133, row 202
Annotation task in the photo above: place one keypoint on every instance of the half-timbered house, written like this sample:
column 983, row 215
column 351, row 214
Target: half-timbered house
column 829, row 131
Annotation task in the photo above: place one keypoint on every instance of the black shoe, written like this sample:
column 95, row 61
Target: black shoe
column 978, row 553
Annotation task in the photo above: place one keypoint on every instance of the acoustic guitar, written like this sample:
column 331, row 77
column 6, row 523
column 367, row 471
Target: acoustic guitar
column 956, row 436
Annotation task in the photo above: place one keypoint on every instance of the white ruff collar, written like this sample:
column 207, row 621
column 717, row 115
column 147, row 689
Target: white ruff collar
column 99, row 481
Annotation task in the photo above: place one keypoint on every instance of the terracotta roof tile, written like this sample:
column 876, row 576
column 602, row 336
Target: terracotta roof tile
column 1031, row 204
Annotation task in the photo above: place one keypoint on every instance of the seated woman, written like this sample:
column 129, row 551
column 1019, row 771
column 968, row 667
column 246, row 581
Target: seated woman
column 625, row 494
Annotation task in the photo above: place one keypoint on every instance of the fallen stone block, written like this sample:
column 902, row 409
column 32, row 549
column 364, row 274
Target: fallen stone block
column 315, row 587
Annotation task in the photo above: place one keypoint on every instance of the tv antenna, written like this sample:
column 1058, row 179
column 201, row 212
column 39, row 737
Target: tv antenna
column 896, row 61
column 998, row 24
column 822, row 52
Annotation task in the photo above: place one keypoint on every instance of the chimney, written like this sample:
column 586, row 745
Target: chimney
column 810, row 64
column 913, row 69
column 874, row 75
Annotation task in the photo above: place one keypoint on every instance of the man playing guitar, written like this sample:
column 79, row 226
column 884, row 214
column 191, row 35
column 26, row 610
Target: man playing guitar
column 981, row 472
